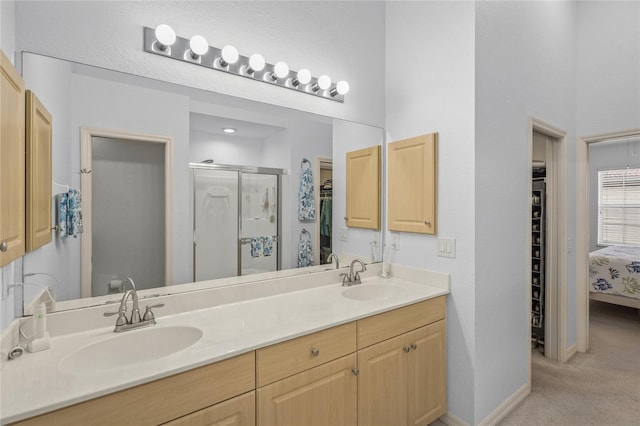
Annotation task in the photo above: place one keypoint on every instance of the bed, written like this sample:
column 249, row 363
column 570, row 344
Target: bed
column 614, row 275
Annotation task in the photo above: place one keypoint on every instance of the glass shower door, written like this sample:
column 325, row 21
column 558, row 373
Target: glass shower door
column 216, row 224
column 259, row 231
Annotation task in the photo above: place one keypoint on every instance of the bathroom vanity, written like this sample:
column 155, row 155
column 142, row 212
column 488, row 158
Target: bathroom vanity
column 312, row 353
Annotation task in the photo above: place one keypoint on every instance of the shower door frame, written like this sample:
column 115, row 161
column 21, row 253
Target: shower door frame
column 246, row 170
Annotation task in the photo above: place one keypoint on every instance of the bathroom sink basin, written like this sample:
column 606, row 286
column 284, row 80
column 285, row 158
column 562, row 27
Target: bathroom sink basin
column 372, row 292
column 129, row 347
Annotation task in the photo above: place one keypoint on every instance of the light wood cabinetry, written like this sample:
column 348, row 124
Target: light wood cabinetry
column 363, row 188
column 38, row 177
column 387, row 369
column 402, row 380
column 324, row 395
column 163, row 400
column 12, row 162
column 238, row 411
column 412, row 184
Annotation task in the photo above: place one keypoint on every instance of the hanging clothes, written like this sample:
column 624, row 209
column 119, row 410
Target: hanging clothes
column 325, row 217
column 306, row 198
column 305, row 249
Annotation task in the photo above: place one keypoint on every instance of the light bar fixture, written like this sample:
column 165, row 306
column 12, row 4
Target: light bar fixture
column 163, row 41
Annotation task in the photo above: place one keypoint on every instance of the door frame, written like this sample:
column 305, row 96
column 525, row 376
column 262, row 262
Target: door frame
column 556, row 159
column 87, row 133
column 583, row 231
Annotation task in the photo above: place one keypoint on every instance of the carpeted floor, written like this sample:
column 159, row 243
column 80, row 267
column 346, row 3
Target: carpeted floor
column 600, row 387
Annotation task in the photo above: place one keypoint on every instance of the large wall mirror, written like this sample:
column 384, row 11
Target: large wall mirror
column 221, row 208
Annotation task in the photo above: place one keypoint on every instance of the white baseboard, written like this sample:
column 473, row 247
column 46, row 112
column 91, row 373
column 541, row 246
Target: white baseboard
column 450, row 419
column 571, row 351
column 505, row 408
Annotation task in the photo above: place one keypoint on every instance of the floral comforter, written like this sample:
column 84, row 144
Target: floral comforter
column 615, row 270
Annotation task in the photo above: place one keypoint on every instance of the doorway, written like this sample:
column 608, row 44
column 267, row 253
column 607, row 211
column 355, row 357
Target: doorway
column 548, row 240
column 322, row 249
column 583, row 229
column 126, row 182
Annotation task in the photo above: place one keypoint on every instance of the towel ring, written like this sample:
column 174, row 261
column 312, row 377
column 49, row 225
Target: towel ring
column 305, row 232
column 304, row 160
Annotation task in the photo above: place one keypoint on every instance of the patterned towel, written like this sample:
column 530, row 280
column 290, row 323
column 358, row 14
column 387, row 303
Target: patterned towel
column 305, row 250
column 306, row 199
column 62, row 204
column 267, row 246
column 256, row 246
column 74, row 216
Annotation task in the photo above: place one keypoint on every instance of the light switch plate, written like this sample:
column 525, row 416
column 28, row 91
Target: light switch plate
column 343, row 234
column 447, row 247
column 395, row 241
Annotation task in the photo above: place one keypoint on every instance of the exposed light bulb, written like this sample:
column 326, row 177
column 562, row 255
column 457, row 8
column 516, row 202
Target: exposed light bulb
column 256, row 63
column 198, row 45
column 281, row 69
column 228, row 130
column 342, row 88
column 302, row 77
column 165, row 36
column 229, row 56
column 324, row 82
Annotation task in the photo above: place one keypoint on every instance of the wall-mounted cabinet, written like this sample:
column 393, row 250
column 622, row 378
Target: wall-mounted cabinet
column 12, row 162
column 412, row 184
column 38, row 178
column 363, row 188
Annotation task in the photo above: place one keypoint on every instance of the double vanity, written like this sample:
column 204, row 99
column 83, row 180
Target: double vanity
column 294, row 350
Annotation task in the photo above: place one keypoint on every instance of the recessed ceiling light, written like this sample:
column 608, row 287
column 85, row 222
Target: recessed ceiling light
column 228, row 130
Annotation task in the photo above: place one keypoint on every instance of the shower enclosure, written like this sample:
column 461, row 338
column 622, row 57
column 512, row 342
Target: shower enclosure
column 236, row 220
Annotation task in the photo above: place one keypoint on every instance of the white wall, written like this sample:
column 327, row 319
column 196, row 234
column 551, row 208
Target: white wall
column 608, row 67
column 430, row 88
column 525, row 66
column 342, row 39
column 225, row 150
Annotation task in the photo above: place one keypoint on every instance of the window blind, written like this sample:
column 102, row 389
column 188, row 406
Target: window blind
column 619, row 207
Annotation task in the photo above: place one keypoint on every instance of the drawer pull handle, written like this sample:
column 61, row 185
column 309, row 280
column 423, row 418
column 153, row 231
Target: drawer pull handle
column 406, row 348
column 427, row 222
column 355, row 371
column 3, row 246
column 414, row 346
column 315, row 351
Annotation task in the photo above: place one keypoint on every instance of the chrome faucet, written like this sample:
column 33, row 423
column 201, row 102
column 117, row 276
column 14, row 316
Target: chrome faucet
column 124, row 324
column 337, row 261
column 351, row 278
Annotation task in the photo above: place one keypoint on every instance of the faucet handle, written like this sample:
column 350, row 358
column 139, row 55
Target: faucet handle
column 148, row 313
column 122, row 317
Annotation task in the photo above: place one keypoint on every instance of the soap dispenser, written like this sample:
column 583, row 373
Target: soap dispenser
column 40, row 339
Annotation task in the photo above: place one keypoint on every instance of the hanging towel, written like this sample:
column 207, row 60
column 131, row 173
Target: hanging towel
column 325, row 218
column 267, row 246
column 256, row 246
column 62, row 205
column 305, row 251
column 306, row 199
column 74, row 214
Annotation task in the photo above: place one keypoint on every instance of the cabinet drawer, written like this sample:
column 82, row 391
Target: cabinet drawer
column 287, row 358
column 238, row 411
column 163, row 400
column 389, row 324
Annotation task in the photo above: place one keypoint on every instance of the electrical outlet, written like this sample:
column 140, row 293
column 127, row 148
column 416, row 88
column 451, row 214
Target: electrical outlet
column 395, row 241
column 343, row 234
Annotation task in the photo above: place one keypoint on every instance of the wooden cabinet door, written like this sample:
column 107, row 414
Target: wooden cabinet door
column 427, row 372
column 12, row 169
column 412, row 184
column 38, row 181
column 363, row 188
column 324, row 395
column 382, row 383
column 238, row 411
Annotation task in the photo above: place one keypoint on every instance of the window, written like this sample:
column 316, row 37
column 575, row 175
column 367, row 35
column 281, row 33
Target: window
column 619, row 207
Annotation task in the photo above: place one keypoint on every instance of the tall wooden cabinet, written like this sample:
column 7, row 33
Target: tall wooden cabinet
column 38, row 180
column 12, row 162
column 363, row 188
column 412, row 184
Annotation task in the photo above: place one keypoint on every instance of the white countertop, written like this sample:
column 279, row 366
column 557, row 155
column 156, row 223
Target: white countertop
column 34, row 384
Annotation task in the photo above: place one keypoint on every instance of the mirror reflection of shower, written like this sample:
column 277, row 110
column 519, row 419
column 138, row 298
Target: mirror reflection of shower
column 237, row 229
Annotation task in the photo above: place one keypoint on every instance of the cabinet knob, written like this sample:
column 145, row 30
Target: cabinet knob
column 414, row 346
column 346, row 218
column 406, row 348
column 315, row 351
column 355, row 371
column 427, row 222
column 3, row 246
